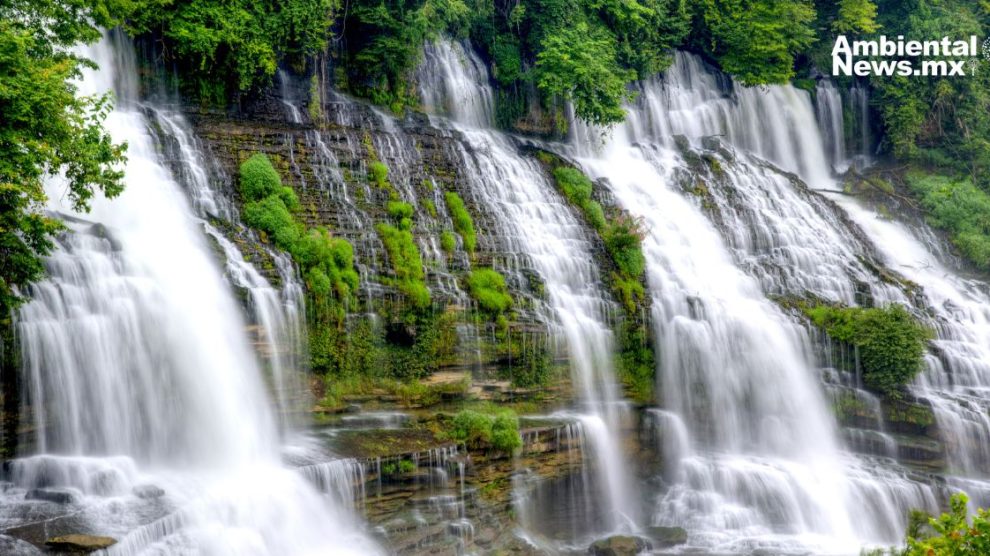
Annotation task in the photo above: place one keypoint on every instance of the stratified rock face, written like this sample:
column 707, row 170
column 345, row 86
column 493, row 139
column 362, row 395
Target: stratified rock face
column 79, row 544
column 619, row 545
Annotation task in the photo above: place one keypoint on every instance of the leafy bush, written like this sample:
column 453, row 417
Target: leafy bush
column 406, row 264
column 623, row 239
column 288, row 196
column 271, row 216
column 951, row 534
column 487, row 287
column 580, row 63
column 960, row 208
column 479, row 430
column 463, row 224
column 399, row 210
column 378, row 174
column 259, row 179
column 890, row 341
column 447, row 241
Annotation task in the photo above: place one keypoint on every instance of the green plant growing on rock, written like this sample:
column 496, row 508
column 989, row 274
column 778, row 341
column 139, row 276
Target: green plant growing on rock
column 476, row 430
column 378, row 175
column 961, row 209
column 402, row 213
column 890, row 341
column 259, row 178
column 463, row 224
column 487, row 287
column 407, row 264
column 270, row 215
column 447, row 241
column 623, row 237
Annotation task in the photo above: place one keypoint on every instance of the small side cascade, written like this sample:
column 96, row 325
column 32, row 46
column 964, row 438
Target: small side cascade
column 538, row 228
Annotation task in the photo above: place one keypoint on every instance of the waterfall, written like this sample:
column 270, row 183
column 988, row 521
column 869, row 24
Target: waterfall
column 732, row 369
column 796, row 242
column 277, row 316
column 537, row 225
column 151, row 416
column 763, row 466
column 828, row 108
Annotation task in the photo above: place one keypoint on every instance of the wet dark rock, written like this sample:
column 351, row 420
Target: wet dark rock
column 619, row 545
column 56, row 495
column 667, row 536
column 80, row 544
column 9, row 546
column 148, row 491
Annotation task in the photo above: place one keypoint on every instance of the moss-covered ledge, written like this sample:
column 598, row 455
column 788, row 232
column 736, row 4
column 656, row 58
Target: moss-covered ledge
column 620, row 238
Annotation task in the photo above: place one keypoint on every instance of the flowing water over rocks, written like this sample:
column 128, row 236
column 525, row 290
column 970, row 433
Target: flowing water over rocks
column 165, row 380
column 149, row 405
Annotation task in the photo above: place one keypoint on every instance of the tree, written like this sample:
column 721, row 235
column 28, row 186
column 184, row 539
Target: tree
column 953, row 533
column 46, row 128
column 756, row 40
column 579, row 64
column 856, row 16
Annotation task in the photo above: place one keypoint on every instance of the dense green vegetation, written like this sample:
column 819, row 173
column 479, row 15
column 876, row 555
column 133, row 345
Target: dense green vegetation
column 498, row 430
column 327, row 262
column 45, row 128
column 487, row 287
column 622, row 236
column 951, row 534
column 463, row 224
column 222, row 49
column 889, row 340
column 960, row 208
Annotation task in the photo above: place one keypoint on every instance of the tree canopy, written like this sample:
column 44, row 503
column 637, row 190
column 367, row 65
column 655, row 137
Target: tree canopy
column 46, row 128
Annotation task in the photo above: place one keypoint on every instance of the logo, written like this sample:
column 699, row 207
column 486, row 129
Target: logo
column 885, row 56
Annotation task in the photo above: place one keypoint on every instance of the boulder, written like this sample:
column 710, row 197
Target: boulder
column 148, row 491
column 79, row 544
column 619, row 545
column 56, row 495
column 667, row 536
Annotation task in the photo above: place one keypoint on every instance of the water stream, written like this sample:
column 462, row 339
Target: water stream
column 153, row 423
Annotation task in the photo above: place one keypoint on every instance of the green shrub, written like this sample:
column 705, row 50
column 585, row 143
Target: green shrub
column 288, row 196
column 333, row 257
column 960, row 208
column 406, row 263
column 575, row 185
column 487, row 287
column 623, row 240
column 272, row 217
column 951, row 534
column 399, row 210
column 259, row 179
column 447, row 241
column 463, row 224
column 890, row 342
column 378, row 174
column 479, row 430
column 429, row 207
column 505, row 433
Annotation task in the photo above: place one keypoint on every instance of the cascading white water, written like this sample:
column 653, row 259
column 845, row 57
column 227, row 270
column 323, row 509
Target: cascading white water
column 796, row 243
column 733, row 366
column 140, row 373
column 537, row 225
column 828, row 109
column 762, row 469
column 277, row 315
